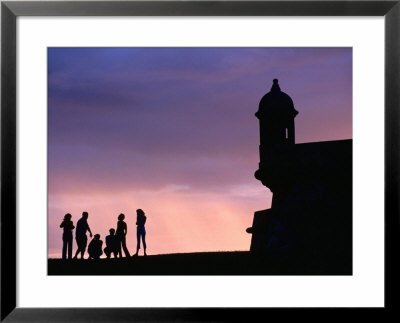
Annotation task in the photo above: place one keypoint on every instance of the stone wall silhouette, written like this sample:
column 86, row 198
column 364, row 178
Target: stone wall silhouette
column 311, row 184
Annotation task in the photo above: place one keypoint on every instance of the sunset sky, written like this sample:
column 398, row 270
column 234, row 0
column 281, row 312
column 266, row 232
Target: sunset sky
column 172, row 131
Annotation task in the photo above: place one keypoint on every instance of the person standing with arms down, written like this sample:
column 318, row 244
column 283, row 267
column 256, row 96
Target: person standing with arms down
column 122, row 230
column 68, row 226
column 140, row 230
column 80, row 234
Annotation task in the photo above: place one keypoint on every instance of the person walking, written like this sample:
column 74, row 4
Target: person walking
column 122, row 230
column 67, row 226
column 140, row 230
column 80, row 234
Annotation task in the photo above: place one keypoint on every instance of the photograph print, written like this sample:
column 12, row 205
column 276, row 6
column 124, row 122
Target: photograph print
column 200, row 161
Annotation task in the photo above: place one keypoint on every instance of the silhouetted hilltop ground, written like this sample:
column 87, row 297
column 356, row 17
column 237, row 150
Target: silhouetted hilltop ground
column 208, row 263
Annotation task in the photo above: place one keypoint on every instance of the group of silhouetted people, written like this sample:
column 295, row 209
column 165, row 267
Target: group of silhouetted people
column 115, row 241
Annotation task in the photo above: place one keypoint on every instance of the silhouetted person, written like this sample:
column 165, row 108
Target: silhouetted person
column 68, row 226
column 80, row 234
column 95, row 247
column 112, row 244
column 122, row 230
column 140, row 230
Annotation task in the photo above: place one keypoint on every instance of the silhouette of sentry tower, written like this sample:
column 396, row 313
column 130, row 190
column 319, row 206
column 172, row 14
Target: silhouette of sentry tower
column 311, row 184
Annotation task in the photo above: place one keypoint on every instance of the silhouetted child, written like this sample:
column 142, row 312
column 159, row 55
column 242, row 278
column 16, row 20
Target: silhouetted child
column 112, row 244
column 140, row 230
column 122, row 230
column 80, row 234
column 95, row 247
column 68, row 226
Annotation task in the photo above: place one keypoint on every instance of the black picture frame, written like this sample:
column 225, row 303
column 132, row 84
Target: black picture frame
column 10, row 10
